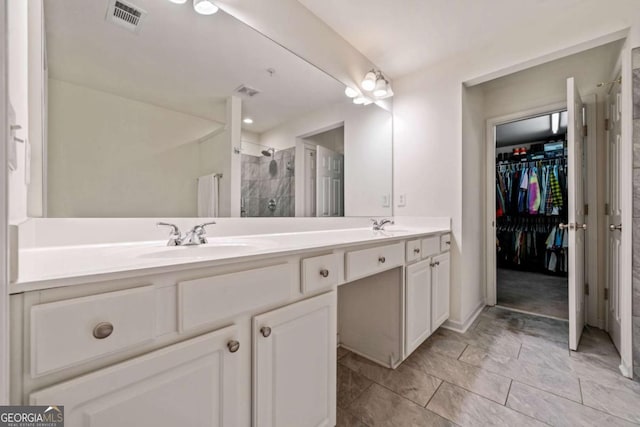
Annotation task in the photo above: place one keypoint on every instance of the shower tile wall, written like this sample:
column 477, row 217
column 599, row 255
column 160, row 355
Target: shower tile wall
column 636, row 212
column 265, row 179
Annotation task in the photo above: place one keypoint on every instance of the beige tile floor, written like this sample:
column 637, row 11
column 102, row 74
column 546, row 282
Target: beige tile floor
column 509, row 369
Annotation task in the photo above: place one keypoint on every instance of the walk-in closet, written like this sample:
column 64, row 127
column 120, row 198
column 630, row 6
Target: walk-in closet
column 531, row 209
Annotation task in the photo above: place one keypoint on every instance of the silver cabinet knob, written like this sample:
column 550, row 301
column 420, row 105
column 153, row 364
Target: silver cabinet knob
column 324, row 272
column 614, row 227
column 416, row 251
column 233, row 346
column 265, row 331
column 102, row 330
column 382, row 260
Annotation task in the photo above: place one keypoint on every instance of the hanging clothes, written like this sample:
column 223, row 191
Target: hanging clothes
column 534, row 192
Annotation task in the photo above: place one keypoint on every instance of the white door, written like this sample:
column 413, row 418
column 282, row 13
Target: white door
column 440, row 285
column 418, row 305
column 190, row 384
column 575, row 153
column 329, row 182
column 294, row 377
column 614, row 213
column 309, row 182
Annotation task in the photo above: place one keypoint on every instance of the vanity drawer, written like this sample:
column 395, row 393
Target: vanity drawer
column 65, row 333
column 430, row 246
column 320, row 272
column 445, row 242
column 413, row 250
column 371, row 261
column 210, row 299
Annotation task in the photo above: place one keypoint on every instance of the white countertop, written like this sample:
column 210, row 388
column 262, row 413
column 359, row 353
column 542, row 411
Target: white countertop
column 57, row 266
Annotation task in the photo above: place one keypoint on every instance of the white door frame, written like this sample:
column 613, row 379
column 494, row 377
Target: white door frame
column 491, row 296
column 4, row 213
column 626, row 203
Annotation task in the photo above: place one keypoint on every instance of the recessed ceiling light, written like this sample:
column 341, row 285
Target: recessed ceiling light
column 351, row 92
column 205, row 7
column 178, row 1
column 369, row 81
column 248, row 120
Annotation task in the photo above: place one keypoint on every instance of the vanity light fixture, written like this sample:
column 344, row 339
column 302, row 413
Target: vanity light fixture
column 381, row 88
column 555, row 122
column 204, row 7
column 362, row 100
column 248, row 120
column 351, row 92
column 369, row 81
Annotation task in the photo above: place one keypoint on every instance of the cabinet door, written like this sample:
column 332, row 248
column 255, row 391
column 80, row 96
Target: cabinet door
column 418, row 305
column 440, row 295
column 192, row 383
column 295, row 364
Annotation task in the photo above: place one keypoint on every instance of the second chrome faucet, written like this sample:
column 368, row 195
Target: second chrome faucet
column 194, row 237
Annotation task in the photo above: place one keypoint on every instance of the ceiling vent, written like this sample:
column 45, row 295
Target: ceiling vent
column 245, row 90
column 125, row 15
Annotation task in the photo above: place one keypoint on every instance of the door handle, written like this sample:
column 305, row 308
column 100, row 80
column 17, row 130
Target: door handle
column 614, row 227
column 581, row 227
column 563, row 226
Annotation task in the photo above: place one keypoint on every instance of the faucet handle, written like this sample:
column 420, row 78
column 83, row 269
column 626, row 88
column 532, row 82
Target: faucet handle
column 175, row 231
column 200, row 231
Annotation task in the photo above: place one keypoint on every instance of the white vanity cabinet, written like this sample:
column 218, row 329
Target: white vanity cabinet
column 427, row 290
column 418, row 304
column 440, row 285
column 294, row 364
column 189, row 384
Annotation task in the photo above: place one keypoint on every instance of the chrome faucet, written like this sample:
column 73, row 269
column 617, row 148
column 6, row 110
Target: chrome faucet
column 379, row 224
column 195, row 236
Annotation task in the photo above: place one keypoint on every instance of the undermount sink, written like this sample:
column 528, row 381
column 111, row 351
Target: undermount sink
column 209, row 250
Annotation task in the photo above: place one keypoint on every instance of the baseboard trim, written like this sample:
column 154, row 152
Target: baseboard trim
column 462, row 327
column 625, row 370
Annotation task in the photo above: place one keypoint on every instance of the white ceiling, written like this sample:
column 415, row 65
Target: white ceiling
column 183, row 61
column 404, row 36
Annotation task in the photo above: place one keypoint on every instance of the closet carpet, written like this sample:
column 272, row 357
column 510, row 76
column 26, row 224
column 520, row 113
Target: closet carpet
column 509, row 369
column 534, row 292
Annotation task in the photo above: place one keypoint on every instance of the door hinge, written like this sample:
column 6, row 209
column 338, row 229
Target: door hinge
column 586, row 289
column 606, row 209
column 606, row 124
column 606, row 294
column 586, row 209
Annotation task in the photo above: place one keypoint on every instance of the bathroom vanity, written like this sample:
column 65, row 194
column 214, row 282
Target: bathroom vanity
column 239, row 331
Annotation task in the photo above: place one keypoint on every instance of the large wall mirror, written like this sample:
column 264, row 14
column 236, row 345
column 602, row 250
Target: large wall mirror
column 156, row 111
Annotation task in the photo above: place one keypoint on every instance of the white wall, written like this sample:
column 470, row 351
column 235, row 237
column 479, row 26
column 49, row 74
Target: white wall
column 18, row 60
column 367, row 153
column 114, row 157
column 429, row 153
column 37, row 112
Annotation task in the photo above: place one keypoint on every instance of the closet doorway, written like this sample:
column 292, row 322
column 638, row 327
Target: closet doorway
column 532, row 242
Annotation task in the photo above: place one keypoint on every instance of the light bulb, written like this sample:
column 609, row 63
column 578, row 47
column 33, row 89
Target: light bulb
column 369, row 81
column 351, row 92
column 381, row 88
column 178, row 1
column 555, row 122
column 204, row 7
column 248, row 120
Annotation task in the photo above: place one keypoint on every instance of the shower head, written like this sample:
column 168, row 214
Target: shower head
column 268, row 152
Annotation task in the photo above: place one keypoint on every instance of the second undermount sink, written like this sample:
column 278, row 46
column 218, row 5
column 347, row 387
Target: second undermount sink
column 209, row 250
